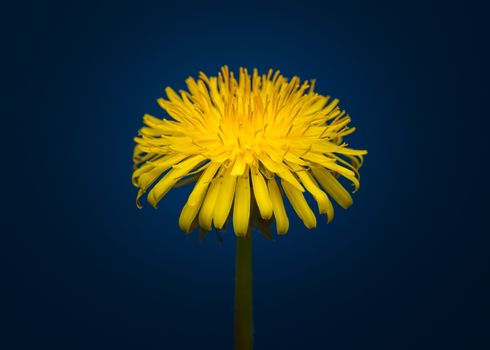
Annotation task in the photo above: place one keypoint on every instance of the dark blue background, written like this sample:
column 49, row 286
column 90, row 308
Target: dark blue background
column 406, row 267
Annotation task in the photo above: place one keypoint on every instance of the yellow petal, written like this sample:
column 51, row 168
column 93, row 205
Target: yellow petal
column 318, row 158
column 241, row 208
column 299, row 204
column 172, row 96
column 261, row 194
column 282, row 221
column 293, row 158
column 171, row 178
column 225, row 199
column 167, row 161
column 341, row 170
column 324, row 204
column 152, row 121
column 150, row 132
column 289, row 177
column 202, row 184
column 270, row 164
column 317, row 105
column 330, row 163
column 348, row 174
column 330, row 147
column 206, row 213
column 147, row 174
column 164, row 104
column 330, row 211
column 331, row 106
column 145, row 180
column 191, row 208
column 138, row 197
column 333, row 187
column 239, row 166
column 139, row 171
column 187, row 216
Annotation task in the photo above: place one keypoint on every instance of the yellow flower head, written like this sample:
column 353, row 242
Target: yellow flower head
column 241, row 141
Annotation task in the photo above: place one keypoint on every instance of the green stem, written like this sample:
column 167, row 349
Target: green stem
column 243, row 294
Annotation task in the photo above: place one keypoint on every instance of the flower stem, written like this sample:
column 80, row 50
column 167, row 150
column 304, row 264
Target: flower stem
column 243, row 294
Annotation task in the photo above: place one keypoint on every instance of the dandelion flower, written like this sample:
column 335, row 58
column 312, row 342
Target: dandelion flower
column 248, row 143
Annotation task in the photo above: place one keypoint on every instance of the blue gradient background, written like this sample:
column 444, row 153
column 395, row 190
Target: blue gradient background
column 406, row 267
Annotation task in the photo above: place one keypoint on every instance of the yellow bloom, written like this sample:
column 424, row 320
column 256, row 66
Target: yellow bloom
column 241, row 141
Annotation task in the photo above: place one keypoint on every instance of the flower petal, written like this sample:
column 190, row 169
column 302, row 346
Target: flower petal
column 299, row 204
column 280, row 169
column 348, row 174
column 330, row 147
column 261, row 193
column 167, row 161
column 241, row 208
column 191, row 208
column 226, row 193
column 202, row 184
column 171, row 178
column 331, row 106
column 239, row 166
column 139, row 171
column 187, row 216
column 318, row 158
column 324, row 204
column 291, row 179
column 147, row 179
column 333, row 187
column 282, row 221
column 206, row 213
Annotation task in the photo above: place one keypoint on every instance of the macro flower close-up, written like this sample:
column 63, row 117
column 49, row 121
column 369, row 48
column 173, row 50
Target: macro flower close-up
column 247, row 143
column 259, row 175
